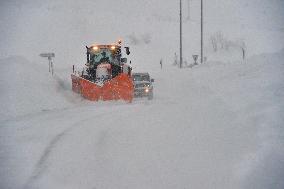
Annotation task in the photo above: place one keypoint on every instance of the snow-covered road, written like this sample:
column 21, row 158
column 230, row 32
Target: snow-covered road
column 213, row 126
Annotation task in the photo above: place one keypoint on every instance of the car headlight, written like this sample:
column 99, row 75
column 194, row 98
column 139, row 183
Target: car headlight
column 147, row 90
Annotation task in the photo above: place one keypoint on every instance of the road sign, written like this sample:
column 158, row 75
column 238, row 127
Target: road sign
column 195, row 57
column 47, row 55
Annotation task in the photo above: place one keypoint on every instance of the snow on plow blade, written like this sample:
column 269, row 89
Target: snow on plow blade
column 120, row 87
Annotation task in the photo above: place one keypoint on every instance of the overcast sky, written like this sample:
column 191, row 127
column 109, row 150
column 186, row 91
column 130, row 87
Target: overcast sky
column 28, row 27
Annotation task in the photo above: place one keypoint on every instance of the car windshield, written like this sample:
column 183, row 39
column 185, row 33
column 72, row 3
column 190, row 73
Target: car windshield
column 142, row 85
column 144, row 77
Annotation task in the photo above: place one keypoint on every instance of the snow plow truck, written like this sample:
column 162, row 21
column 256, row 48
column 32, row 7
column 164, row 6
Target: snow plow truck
column 106, row 75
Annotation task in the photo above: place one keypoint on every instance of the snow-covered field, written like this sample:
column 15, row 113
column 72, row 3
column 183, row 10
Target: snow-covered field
column 216, row 125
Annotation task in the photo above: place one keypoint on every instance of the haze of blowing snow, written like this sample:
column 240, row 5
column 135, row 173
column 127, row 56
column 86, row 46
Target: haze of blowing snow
column 213, row 125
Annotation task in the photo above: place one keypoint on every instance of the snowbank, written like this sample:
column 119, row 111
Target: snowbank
column 216, row 125
column 28, row 88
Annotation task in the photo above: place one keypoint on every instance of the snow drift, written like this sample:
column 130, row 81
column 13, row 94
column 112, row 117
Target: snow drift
column 216, row 125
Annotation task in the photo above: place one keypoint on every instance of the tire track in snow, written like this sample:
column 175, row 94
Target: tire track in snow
column 41, row 164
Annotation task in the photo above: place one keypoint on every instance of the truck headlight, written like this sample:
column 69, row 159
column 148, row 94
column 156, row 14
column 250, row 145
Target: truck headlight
column 95, row 48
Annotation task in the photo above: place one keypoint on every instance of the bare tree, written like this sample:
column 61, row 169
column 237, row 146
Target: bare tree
column 214, row 43
column 133, row 39
column 146, row 38
column 218, row 41
column 175, row 60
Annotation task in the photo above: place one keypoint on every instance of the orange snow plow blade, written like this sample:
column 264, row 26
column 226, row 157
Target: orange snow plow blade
column 120, row 87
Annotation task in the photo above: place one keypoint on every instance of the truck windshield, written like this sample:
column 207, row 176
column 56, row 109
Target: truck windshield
column 102, row 55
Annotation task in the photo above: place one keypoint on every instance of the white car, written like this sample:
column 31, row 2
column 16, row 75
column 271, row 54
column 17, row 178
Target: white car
column 143, row 85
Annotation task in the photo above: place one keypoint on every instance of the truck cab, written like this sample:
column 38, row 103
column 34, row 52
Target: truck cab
column 105, row 62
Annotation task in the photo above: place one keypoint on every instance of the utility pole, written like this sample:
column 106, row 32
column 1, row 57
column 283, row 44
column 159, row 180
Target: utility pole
column 180, row 35
column 201, row 23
